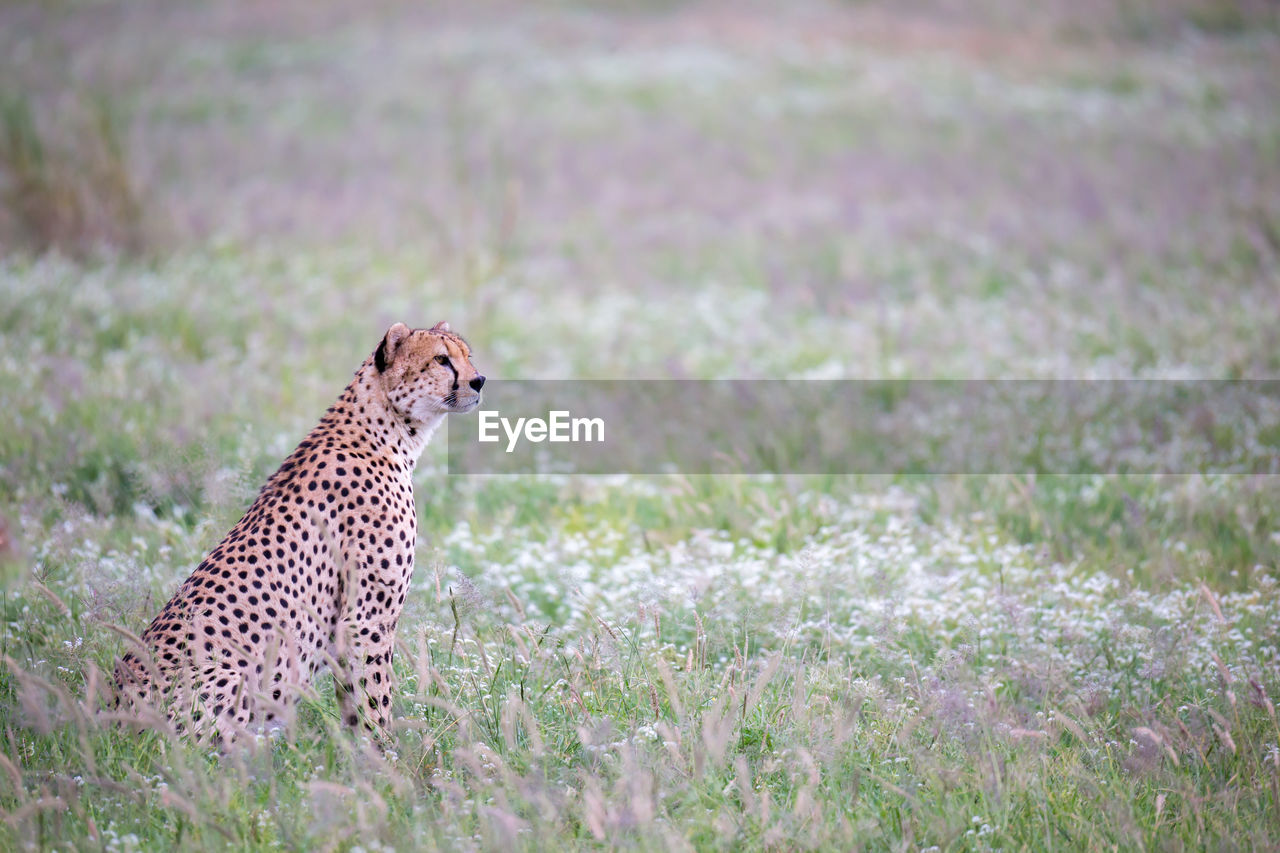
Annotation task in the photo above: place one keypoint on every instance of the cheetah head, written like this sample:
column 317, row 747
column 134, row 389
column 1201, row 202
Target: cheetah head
column 427, row 372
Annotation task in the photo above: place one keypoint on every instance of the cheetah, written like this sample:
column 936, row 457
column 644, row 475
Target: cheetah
column 317, row 570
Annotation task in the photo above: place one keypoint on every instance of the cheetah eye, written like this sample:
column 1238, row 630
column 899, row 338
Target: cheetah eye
column 442, row 359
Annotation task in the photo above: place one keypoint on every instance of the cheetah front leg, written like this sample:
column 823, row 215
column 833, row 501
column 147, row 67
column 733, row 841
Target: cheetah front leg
column 363, row 689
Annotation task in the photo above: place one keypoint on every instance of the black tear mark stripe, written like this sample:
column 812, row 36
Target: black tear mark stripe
column 449, row 364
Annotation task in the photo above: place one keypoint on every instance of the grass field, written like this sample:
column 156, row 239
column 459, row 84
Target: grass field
column 212, row 212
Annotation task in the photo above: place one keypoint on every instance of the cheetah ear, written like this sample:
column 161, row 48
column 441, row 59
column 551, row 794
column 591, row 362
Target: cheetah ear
column 442, row 326
column 390, row 343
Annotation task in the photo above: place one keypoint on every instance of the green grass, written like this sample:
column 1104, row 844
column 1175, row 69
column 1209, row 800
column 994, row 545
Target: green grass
column 657, row 663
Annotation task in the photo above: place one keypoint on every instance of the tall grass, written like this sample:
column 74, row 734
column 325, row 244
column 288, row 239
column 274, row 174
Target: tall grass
column 664, row 730
column 65, row 182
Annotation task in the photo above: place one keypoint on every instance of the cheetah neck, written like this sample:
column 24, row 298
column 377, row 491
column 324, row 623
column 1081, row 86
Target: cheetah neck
column 365, row 415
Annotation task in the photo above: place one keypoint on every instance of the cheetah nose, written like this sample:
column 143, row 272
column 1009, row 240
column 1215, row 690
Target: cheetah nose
column 477, row 383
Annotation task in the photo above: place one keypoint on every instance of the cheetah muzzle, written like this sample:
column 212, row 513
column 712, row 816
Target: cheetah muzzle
column 316, row 572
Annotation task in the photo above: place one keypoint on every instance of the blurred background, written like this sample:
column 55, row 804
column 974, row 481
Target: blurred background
column 210, row 212
column 680, row 189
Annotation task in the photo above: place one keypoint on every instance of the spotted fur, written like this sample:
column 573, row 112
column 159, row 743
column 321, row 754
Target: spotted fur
column 317, row 570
